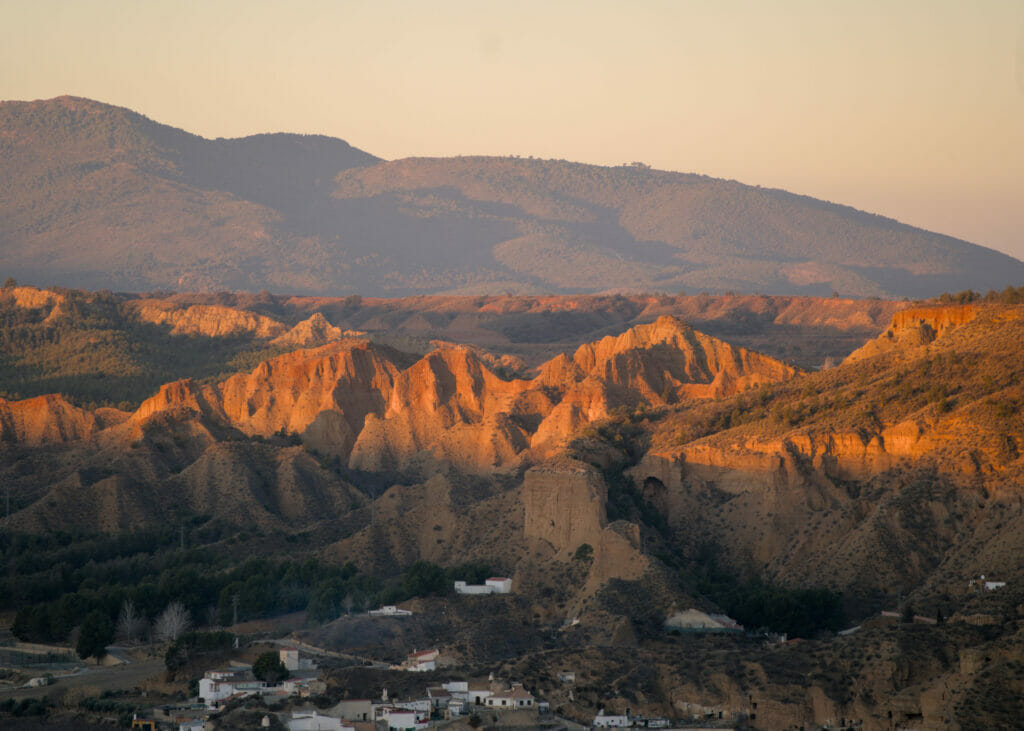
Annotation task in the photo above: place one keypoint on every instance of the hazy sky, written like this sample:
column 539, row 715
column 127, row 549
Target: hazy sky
column 910, row 109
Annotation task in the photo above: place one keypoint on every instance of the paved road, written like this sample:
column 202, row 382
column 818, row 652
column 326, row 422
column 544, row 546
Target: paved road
column 115, row 677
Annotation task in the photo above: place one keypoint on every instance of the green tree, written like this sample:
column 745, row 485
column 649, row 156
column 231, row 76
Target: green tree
column 269, row 668
column 424, row 579
column 96, row 632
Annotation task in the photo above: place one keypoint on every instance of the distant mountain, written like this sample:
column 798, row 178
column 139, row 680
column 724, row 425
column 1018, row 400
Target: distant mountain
column 98, row 196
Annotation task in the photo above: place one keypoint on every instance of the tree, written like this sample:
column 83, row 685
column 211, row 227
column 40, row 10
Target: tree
column 172, row 622
column 95, row 634
column 424, row 579
column 130, row 626
column 10, row 283
column 269, row 668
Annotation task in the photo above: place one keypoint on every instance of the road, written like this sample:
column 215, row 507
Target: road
column 115, row 677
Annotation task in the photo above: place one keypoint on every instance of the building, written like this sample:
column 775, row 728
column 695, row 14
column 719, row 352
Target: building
column 313, row 721
column 478, row 692
column 694, row 620
column 457, row 707
column 293, row 661
column 421, row 662
column 493, row 585
column 354, row 710
column 439, row 698
column 390, row 610
column 401, row 719
column 515, row 697
column 603, row 721
column 219, row 685
column 500, row 584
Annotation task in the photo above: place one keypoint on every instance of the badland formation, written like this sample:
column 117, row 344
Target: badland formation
column 844, row 470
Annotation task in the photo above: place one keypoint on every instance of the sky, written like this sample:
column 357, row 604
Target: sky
column 914, row 110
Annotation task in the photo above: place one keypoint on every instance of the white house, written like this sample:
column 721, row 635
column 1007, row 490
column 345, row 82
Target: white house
column 478, row 692
column 390, row 610
column 500, row 584
column 603, row 721
column 421, row 662
column 493, row 585
column 439, row 697
column 220, row 684
column 456, row 707
column 515, row 697
column 403, row 720
column 312, row 721
column 458, row 688
column 461, row 587
column 993, row 585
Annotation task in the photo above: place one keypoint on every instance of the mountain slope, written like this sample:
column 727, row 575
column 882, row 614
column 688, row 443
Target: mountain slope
column 98, row 196
column 900, row 467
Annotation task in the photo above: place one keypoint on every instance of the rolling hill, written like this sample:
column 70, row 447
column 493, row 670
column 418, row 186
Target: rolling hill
column 98, row 196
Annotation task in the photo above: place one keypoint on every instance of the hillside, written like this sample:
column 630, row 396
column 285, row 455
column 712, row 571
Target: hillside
column 102, row 197
column 899, row 468
column 641, row 472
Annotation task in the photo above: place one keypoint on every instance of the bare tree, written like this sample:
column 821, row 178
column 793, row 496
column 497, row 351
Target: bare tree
column 172, row 622
column 130, row 625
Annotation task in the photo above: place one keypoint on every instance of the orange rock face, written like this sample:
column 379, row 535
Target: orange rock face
column 51, row 419
column 364, row 403
column 209, row 320
column 915, row 327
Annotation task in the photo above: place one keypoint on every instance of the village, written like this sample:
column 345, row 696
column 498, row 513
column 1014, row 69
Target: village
column 488, row 702
column 284, row 682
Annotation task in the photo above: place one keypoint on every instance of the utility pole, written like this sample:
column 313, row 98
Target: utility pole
column 234, row 620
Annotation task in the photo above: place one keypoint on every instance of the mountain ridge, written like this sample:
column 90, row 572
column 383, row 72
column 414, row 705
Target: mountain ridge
column 103, row 197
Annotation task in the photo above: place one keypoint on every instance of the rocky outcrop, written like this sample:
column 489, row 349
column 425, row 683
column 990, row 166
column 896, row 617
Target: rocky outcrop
column 323, row 395
column 447, row 407
column 669, row 360
column 208, row 320
column 51, row 419
column 370, row 405
column 565, row 506
column 914, row 327
column 565, row 503
column 313, row 331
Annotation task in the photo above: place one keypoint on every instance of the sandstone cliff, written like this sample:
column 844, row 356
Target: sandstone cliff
column 51, row 419
column 912, row 328
column 374, row 407
column 323, row 394
column 565, row 504
column 208, row 320
column 861, row 479
column 313, row 331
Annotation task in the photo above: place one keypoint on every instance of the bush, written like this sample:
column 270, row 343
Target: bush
column 584, row 553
